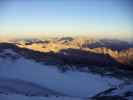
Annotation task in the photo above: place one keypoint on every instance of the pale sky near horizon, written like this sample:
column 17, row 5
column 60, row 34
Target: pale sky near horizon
column 105, row 18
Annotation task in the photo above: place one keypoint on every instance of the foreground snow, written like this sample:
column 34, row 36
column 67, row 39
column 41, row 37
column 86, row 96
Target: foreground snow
column 70, row 83
column 21, row 97
column 22, row 76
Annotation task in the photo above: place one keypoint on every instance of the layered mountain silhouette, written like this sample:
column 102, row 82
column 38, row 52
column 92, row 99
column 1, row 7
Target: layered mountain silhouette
column 112, row 44
column 93, row 54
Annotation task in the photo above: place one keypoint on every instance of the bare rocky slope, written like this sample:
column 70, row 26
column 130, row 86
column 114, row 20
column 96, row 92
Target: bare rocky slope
column 83, row 50
column 79, row 50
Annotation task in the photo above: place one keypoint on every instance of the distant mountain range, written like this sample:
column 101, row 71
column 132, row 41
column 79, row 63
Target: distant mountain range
column 76, row 51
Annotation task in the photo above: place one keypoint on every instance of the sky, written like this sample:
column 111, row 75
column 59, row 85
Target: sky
column 98, row 18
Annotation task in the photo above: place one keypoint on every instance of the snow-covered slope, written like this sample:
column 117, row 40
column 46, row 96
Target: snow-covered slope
column 27, row 77
column 21, row 97
column 17, row 86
